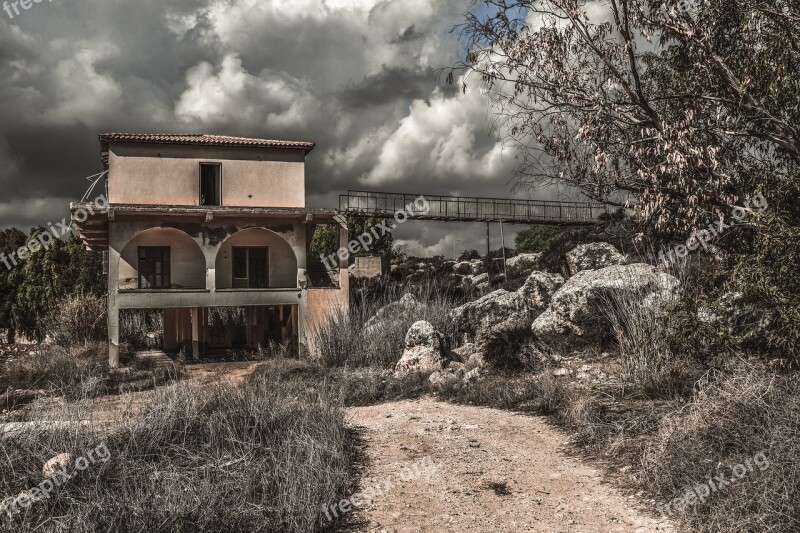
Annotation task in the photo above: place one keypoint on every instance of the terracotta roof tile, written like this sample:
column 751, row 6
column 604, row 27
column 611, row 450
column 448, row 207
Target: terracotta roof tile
column 204, row 139
column 196, row 139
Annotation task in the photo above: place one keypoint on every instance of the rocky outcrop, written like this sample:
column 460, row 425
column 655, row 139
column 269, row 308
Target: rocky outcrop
column 402, row 308
column 474, row 319
column 478, row 279
column 538, row 290
column 424, row 350
column 469, row 268
column 593, row 256
column 577, row 316
column 523, row 264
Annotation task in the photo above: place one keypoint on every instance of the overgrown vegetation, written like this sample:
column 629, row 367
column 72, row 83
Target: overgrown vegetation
column 663, row 388
column 33, row 291
column 264, row 456
column 77, row 373
column 346, row 340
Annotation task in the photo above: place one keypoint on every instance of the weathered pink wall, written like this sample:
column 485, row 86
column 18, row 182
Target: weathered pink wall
column 163, row 174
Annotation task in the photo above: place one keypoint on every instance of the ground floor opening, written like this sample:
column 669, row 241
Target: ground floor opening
column 201, row 331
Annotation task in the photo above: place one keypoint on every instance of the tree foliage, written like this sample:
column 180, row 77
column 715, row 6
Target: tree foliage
column 683, row 110
column 35, row 287
column 324, row 242
column 690, row 112
column 536, row 238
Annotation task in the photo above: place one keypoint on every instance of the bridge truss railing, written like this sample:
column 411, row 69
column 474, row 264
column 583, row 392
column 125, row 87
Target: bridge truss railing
column 472, row 209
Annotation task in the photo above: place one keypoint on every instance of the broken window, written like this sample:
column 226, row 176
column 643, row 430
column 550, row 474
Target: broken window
column 210, row 184
column 250, row 267
column 154, row 267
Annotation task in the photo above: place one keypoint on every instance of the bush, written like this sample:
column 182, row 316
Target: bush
column 730, row 421
column 78, row 321
column 264, row 456
column 511, row 347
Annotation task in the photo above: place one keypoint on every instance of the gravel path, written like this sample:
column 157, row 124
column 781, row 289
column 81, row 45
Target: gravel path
column 494, row 471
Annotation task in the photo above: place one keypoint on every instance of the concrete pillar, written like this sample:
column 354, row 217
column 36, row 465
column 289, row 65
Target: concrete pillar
column 113, row 333
column 196, row 333
column 113, row 307
column 170, row 329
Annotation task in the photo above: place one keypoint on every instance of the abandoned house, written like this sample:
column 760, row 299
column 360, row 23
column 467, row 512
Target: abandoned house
column 198, row 223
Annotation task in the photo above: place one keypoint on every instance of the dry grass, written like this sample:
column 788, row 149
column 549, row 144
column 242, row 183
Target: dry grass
column 264, row 456
column 78, row 320
column 342, row 340
column 731, row 419
column 82, row 372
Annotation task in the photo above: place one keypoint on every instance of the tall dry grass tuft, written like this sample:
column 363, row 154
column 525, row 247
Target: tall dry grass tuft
column 264, row 456
column 78, row 320
column 730, row 420
column 343, row 340
column 644, row 327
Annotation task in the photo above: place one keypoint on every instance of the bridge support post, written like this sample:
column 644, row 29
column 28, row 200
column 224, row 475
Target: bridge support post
column 503, row 244
column 488, row 260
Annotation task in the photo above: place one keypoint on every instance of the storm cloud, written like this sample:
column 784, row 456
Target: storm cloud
column 358, row 77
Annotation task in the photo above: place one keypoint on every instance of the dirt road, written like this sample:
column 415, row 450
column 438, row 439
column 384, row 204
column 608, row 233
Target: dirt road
column 494, row 471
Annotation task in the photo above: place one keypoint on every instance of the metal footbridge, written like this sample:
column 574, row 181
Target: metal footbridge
column 472, row 209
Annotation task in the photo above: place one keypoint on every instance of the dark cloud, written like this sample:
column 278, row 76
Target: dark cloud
column 388, row 85
column 359, row 77
column 410, row 34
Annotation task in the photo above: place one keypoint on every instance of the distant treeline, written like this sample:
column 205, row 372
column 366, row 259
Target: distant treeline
column 31, row 290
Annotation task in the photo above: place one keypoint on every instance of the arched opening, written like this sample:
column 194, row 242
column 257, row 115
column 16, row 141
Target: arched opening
column 162, row 258
column 256, row 258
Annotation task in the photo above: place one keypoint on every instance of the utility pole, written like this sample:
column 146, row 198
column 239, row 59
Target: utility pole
column 488, row 249
column 503, row 244
column 455, row 258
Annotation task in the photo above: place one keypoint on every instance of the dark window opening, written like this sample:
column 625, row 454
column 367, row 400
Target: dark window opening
column 154, row 268
column 250, row 267
column 210, row 184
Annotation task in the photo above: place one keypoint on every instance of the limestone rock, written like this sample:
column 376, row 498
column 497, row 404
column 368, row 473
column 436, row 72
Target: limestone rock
column 424, row 351
column 576, row 314
column 56, row 464
column 474, row 319
column 406, row 305
column 523, row 264
column 593, row 256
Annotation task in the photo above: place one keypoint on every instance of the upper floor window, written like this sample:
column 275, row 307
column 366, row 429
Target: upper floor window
column 210, row 184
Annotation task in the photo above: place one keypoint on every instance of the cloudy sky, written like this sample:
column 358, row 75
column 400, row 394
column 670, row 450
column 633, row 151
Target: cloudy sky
column 358, row 77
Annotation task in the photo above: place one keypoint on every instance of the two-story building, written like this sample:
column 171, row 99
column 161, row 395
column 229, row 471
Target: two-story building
column 200, row 222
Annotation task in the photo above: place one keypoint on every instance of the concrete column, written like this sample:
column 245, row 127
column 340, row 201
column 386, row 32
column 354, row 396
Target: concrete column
column 113, row 333
column 196, row 333
column 113, row 307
